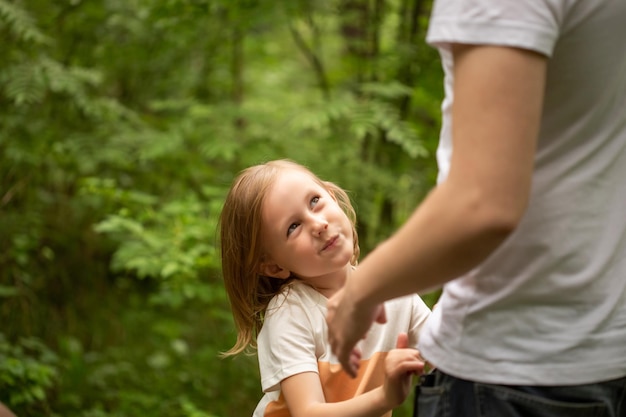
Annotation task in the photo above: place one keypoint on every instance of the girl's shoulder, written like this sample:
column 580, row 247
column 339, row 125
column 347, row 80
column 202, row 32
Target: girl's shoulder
column 295, row 296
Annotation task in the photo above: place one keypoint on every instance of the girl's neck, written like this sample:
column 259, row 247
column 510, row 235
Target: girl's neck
column 328, row 285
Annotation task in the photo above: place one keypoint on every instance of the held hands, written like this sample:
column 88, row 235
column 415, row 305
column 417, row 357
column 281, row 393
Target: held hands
column 400, row 365
column 347, row 324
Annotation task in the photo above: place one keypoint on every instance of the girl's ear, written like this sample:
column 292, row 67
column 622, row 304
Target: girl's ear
column 273, row 270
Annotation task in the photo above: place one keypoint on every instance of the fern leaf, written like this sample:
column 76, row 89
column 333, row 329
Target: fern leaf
column 23, row 84
column 389, row 90
column 20, row 24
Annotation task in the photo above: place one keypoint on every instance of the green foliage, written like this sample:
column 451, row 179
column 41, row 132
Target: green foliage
column 158, row 369
column 124, row 123
column 20, row 24
column 172, row 243
column 27, row 370
column 361, row 118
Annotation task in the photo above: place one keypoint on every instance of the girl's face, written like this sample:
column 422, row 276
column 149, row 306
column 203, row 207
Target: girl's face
column 305, row 231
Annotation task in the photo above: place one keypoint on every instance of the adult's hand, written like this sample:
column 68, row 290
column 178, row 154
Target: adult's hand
column 348, row 323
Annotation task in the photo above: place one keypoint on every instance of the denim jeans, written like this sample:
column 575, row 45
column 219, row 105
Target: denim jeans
column 447, row 396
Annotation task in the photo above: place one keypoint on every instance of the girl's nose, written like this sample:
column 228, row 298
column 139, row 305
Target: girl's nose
column 319, row 225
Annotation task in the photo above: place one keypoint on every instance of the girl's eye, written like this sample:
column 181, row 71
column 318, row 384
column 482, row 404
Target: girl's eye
column 291, row 228
column 314, row 201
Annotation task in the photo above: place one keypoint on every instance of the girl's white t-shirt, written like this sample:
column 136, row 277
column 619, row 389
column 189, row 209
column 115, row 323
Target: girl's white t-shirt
column 294, row 339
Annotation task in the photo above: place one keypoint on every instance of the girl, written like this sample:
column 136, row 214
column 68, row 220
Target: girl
column 288, row 243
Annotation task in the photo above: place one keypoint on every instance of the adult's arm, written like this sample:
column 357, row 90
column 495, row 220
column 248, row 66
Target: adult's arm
column 498, row 94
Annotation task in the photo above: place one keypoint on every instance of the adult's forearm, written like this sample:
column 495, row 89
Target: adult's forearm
column 450, row 233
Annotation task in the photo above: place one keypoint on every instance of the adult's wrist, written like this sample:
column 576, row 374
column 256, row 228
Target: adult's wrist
column 364, row 288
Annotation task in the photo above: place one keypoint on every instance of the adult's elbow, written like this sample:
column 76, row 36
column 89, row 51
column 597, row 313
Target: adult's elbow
column 500, row 220
column 489, row 215
column 483, row 218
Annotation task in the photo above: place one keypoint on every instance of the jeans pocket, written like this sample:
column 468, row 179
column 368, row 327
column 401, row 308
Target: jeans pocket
column 499, row 401
column 429, row 401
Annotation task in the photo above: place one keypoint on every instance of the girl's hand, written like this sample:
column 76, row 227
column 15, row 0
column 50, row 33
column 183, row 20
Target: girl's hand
column 400, row 366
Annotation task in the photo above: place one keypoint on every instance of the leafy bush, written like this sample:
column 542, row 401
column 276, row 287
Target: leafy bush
column 28, row 371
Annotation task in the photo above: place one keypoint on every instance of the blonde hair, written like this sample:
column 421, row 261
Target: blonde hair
column 249, row 292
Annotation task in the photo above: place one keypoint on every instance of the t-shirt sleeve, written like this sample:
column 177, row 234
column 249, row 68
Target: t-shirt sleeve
column 286, row 344
column 532, row 25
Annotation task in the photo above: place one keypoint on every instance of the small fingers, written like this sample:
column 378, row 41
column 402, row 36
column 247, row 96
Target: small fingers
column 354, row 362
column 402, row 341
column 380, row 314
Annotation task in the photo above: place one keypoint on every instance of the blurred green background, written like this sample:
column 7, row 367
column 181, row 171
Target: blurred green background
column 123, row 122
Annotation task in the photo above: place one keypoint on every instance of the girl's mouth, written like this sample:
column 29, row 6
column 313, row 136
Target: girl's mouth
column 330, row 242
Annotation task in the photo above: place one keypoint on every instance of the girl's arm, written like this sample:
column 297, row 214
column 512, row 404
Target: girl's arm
column 498, row 94
column 305, row 398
